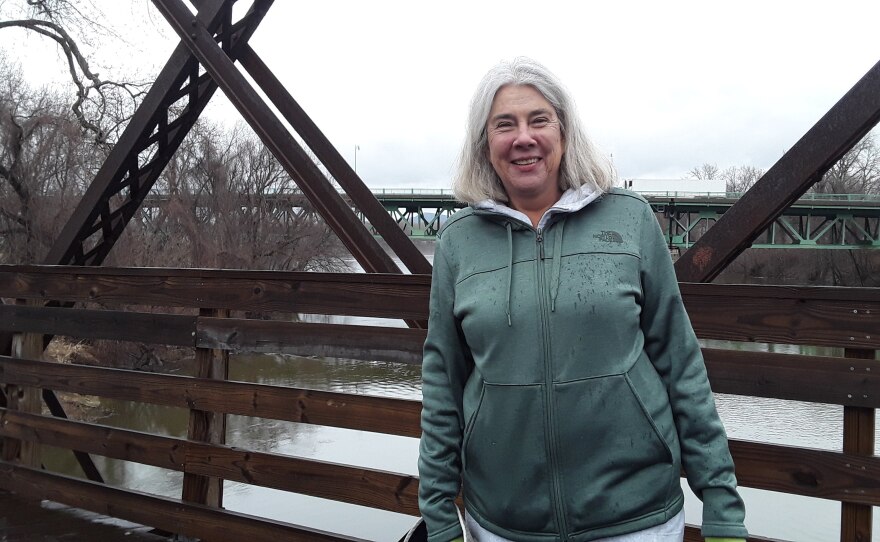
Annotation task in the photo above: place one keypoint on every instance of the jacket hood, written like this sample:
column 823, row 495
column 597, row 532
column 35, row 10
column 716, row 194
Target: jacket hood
column 572, row 200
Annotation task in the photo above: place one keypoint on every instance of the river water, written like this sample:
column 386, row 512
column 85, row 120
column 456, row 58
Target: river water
column 768, row 514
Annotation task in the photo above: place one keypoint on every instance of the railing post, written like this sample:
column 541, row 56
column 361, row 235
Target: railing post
column 24, row 399
column 207, row 426
column 858, row 439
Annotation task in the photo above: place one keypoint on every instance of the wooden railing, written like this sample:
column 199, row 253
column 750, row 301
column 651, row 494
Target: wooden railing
column 202, row 309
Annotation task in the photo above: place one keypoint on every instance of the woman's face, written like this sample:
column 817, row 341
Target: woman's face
column 525, row 144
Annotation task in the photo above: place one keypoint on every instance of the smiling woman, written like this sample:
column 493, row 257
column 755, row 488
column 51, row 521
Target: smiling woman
column 563, row 388
column 525, row 148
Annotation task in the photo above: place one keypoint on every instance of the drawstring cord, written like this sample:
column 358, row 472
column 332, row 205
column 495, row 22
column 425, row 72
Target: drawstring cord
column 557, row 264
column 509, row 270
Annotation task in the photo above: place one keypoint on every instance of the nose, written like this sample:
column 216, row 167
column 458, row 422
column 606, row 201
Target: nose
column 524, row 136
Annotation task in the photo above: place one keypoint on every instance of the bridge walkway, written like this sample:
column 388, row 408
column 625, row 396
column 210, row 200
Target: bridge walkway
column 24, row 520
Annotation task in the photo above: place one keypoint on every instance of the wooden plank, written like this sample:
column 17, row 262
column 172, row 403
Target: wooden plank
column 817, row 379
column 811, row 473
column 741, row 314
column 806, row 472
column 170, row 329
column 355, row 294
column 171, row 515
column 25, row 520
column 356, row 485
column 366, row 413
column 369, row 343
column 869, row 296
column 207, row 426
column 25, row 399
column 796, row 315
column 29, row 345
column 858, row 439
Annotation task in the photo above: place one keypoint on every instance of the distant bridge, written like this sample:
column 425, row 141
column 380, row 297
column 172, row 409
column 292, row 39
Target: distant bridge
column 827, row 221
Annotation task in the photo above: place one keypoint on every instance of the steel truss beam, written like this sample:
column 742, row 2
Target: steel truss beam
column 149, row 141
column 820, row 230
column 135, row 162
column 365, row 249
column 820, row 148
column 364, row 200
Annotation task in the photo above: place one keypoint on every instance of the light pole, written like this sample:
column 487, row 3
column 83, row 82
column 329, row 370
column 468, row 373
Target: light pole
column 356, row 149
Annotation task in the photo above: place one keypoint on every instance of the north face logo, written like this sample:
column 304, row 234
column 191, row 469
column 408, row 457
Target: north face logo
column 609, row 237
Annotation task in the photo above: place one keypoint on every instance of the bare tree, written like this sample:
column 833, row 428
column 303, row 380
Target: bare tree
column 740, row 178
column 225, row 201
column 857, row 171
column 705, row 171
column 101, row 105
column 45, row 164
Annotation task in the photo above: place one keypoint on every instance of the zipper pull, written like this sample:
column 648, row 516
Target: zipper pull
column 540, row 240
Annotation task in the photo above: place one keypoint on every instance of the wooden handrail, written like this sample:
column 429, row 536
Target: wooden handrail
column 819, row 316
column 354, row 294
column 362, row 412
column 840, row 317
column 815, row 473
column 172, row 515
column 355, row 485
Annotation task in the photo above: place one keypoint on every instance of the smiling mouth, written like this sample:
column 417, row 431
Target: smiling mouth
column 525, row 161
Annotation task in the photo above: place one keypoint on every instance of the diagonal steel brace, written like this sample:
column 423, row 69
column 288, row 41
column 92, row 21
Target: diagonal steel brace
column 820, row 148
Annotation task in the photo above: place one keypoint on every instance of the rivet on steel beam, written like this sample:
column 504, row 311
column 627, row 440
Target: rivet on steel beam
column 855, row 311
column 193, row 22
column 193, row 35
column 849, row 396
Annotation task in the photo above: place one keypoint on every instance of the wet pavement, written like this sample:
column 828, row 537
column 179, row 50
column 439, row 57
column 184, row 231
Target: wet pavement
column 48, row 521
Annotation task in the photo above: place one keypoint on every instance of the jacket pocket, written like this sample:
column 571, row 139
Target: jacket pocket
column 505, row 459
column 616, row 465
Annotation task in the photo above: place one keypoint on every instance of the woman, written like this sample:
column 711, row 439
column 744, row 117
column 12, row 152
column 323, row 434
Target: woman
column 564, row 389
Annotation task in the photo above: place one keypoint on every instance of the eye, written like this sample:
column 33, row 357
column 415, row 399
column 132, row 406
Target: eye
column 540, row 121
column 503, row 125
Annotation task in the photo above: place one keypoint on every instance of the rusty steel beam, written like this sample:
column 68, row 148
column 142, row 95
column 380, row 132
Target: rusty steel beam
column 821, row 147
column 351, row 231
column 120, row 173
column 347, row 178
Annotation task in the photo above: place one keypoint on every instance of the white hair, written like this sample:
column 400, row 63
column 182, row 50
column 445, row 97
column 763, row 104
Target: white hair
column 476, row 179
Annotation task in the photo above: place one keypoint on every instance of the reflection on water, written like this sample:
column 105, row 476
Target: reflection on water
column 767, row 420
column 348, row 376
column 795, row 423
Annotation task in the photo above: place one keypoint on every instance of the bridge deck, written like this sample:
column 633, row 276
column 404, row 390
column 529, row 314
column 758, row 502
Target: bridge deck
column 30, row 521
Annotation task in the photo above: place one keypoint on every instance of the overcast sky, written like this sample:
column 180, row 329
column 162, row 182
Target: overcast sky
column 662, row 86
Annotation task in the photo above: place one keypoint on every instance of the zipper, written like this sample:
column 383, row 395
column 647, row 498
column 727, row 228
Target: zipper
column 548, row 392
column 540, row 241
